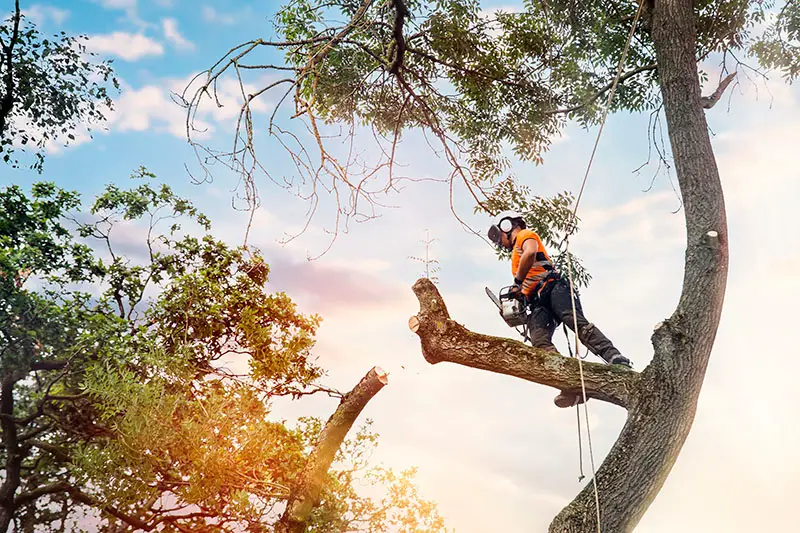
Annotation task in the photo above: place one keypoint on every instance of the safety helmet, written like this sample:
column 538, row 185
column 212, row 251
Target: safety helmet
column 505, row 224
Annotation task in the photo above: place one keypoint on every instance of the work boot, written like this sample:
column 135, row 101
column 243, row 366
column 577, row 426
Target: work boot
column 619, row 359
column 568, row 399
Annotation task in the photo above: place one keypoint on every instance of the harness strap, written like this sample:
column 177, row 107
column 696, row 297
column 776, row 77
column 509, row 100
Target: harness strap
column 546, row 279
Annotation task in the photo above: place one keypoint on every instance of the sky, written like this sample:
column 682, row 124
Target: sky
column 492, row 451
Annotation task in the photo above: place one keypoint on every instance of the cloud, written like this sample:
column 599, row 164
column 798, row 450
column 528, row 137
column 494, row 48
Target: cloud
column 154, row 106
column 118, row 4
column 212, row 15
column 40, row 14
column 130, row 7
column 126, row 5
column 147, row 108
column 327, row 288
column 127, row 46
column 171, row 33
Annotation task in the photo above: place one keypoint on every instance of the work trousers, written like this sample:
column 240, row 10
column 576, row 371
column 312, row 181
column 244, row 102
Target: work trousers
column 554, row 307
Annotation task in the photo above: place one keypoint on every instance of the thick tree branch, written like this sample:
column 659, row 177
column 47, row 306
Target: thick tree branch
column 48, row 365
column 307, row 489
column 710, row 101
column 27, row 497
column 82, row 497
column 35, row 432
column 59, row 454
column 445, row 340
column 401, row 12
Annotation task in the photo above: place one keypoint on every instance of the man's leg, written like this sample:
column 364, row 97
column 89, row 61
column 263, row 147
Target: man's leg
column 589, row 334
column 541, row 326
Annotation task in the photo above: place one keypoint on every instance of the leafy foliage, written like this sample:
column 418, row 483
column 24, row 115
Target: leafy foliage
column 482, row 84
column 48, row 87
column 496, row 78
column 779, row 46
column 141, row 384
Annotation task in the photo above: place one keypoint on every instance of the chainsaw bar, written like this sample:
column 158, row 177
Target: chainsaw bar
column 494, row 298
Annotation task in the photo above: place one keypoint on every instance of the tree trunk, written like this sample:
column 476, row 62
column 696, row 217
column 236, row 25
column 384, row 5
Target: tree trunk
column 7, row 101
column 662, row 413
column 307, row 489
column 13, row 453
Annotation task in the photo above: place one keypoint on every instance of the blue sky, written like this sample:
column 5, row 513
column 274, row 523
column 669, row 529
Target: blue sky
column 494, row 451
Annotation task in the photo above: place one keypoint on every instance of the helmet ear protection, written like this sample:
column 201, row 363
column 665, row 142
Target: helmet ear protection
column 495, row 234
column 506, row 224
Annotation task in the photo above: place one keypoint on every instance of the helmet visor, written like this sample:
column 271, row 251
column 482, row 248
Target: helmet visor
column 495, row 235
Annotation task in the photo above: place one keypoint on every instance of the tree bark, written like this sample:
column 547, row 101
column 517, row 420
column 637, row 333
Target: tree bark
column 445, row 340
column 307, row 489
column 662, row 400
column 14, row 454
column 661, row 416
column 7, row 102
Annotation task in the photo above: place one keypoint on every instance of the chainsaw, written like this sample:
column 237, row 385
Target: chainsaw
column 512, row 306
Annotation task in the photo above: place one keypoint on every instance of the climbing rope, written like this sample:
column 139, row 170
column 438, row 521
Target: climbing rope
column 581, row 475
column 571, row 227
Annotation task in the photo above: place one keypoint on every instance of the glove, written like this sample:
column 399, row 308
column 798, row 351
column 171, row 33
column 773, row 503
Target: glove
column 516, row 289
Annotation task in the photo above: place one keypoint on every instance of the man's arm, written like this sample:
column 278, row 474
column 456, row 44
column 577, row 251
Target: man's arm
column 528, row 257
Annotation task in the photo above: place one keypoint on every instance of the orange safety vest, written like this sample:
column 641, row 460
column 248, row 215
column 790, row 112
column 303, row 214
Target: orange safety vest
column 541, row 266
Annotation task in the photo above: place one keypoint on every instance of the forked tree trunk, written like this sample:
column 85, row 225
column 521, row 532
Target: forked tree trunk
column 661, row 401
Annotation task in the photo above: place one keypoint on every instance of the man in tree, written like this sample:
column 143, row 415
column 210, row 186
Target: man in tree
column 549, row 296
column 485, row 85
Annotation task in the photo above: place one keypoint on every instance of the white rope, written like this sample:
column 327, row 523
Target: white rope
column 569, row 258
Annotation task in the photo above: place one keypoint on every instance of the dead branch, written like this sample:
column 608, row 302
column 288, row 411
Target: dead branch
column 307, row 489
column 443, row 339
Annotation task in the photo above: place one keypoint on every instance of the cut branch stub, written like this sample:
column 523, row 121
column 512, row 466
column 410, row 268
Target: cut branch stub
column 445, row 340
column 307, row 489
column 710, row 101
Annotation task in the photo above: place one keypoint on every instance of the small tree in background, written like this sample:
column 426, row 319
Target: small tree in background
column 137, row 379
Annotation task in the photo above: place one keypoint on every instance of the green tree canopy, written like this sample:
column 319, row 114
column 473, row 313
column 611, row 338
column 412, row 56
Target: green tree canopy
column 137, row 386
column 480, row 84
